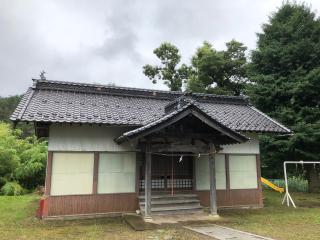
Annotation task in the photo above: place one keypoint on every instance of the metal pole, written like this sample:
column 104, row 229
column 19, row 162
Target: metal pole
column 286, row 182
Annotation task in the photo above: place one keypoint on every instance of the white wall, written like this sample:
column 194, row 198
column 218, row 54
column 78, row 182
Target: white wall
column 203, row 172
column 249, row 147
column 243, row 171
column 87, row 138
column 116, row 172
column 72, row 173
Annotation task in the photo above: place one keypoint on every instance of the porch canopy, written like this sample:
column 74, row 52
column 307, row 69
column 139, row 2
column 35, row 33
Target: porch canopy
column 177, row 131
column 184, row 119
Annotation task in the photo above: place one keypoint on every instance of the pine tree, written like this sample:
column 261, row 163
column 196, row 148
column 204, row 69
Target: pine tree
column 285, row 70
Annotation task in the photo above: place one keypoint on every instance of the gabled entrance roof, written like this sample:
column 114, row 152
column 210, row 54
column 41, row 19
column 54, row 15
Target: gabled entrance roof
column 214, row 130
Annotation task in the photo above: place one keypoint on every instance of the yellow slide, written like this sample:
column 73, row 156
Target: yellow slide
column 281, row 190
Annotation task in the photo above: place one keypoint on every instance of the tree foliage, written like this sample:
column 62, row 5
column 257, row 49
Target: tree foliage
column 7, row 106
column 285, row 70
column 21, row 160
column 168, row 71
column 218, row 72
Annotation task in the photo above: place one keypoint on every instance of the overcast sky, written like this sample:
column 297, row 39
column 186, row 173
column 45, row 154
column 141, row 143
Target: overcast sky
column 109, row 41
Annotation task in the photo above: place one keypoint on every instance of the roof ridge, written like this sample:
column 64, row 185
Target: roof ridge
column 136, row 89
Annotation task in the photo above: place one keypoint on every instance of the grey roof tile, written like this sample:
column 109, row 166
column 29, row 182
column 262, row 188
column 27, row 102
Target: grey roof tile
column 53, row 101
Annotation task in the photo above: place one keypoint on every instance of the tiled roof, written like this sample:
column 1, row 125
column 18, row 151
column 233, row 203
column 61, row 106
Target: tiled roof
column 128, row 135
column 55, row 101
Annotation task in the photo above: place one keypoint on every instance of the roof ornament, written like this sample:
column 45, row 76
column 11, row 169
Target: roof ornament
column 42, row 75
column 180, row 102
column 247, row 99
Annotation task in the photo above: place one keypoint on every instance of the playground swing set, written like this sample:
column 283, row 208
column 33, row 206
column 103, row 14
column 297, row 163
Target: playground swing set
column 281, row 190
column 287, row 195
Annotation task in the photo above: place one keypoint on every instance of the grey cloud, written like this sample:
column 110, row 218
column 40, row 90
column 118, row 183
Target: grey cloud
column 121, row 39
column 109, row 41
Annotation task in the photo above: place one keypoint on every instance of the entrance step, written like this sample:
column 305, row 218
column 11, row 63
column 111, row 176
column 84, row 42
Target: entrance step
column 170, row 197
column 172, row 204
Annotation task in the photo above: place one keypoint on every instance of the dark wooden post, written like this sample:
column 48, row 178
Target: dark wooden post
column 213, row 192
column 227, row 172
column 48, row 184
column 259, row 178
column 95, row 173
column 148, row 184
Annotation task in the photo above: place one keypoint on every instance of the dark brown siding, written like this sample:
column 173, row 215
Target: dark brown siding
column 230, row 198
column 91, row 204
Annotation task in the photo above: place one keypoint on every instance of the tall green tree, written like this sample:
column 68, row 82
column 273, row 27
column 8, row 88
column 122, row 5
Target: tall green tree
column 168, row 71
column 285, row 70
column 218, row 72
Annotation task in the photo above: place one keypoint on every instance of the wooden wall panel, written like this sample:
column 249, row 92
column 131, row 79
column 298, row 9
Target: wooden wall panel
column 226, row 198
column 92, row 204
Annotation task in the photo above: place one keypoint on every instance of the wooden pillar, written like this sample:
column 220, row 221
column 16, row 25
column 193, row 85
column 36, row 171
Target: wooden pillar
column 138, row 155
column 213, row 192
column 194, row 183
column 227, row 172
column 148, row 184
column 259, row 178
column 48, row 184
column 95, row 173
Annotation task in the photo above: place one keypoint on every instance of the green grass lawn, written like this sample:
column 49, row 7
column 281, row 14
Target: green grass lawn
column 18, row 220
column 279, row 221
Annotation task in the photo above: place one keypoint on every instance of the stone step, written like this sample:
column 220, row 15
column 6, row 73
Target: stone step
column 169, row 197
column 172, row 203
column 185, row 209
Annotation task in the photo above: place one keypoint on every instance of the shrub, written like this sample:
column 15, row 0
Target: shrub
column 12, row 189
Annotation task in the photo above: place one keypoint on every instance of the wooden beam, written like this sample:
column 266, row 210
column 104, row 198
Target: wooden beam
column 213, row 192
column 227, row 172
column 95, row 173
column 183, row 135
column 148, row 181
column 157, row 127
column 179, row 148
